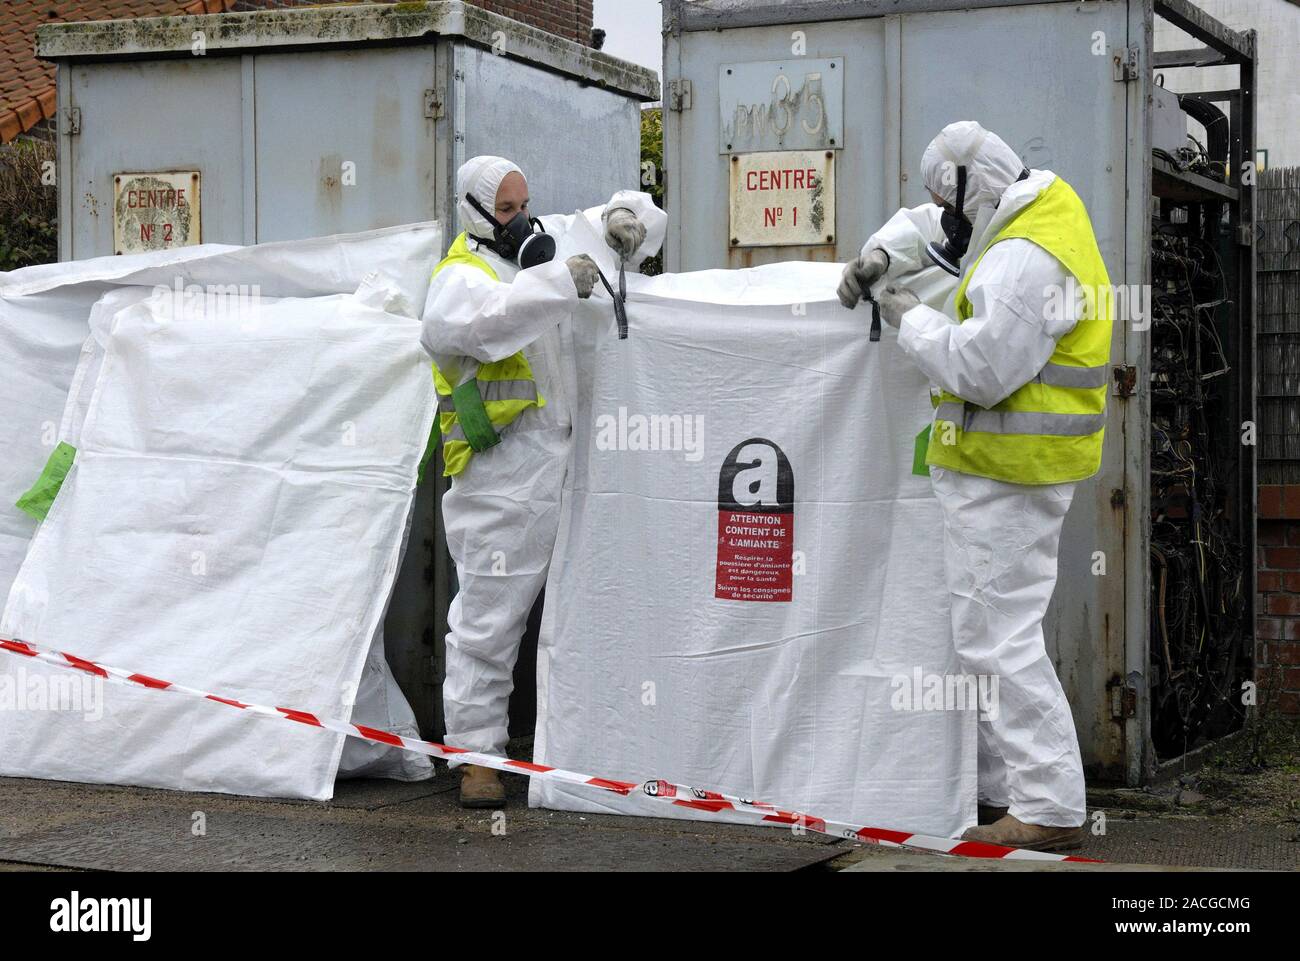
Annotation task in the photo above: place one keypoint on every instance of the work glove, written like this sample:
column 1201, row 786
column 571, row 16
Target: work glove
column 585, row 274
column 860, row 275
column 894, row 302
column 623, row 232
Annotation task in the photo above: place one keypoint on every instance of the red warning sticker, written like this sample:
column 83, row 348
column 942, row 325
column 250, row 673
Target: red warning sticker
column 755, row 556
column 755, row 524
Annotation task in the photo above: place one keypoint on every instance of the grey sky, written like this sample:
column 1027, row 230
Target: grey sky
column 634, row 28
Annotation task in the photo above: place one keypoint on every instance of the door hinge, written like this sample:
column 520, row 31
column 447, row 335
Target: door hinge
column 1123, row 700
column 72, row 124
column 1126, row 381
column 1245, row 236
column 1125, row 64
column 432, row 105
column 679, row 95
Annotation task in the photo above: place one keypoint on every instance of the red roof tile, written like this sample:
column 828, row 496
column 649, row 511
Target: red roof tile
column 27, row 84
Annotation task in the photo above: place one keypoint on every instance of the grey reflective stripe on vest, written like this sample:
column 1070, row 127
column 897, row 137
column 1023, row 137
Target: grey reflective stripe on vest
column 976, row 420
column 491, row 390
column 1059, row 375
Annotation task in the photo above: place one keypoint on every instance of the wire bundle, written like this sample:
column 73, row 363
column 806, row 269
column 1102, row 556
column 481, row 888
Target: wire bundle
column 1196, row 564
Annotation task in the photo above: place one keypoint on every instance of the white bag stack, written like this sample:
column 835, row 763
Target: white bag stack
column 747, row 565
column 45, row 315
column 233, row 521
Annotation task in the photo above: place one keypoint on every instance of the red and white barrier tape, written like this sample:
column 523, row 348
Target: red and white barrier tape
column 709, row 802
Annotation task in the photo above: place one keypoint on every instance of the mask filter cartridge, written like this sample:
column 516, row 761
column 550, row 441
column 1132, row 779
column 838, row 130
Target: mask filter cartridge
column 523, row 240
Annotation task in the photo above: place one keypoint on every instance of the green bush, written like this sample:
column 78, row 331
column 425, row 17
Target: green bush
column 652, row 172
column 29, row 208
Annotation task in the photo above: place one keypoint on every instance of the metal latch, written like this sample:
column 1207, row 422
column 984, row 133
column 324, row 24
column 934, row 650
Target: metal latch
column 679, row 95
column 73, row 125
column 1125, row 64
column 1123, row 699
column 432, row 105
column 1126, row 381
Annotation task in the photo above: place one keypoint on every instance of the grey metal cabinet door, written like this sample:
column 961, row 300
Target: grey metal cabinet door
column 771, row 66
column 343, row 143
column 140, row 117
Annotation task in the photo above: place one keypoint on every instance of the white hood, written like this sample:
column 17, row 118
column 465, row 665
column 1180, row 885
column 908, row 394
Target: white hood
column 480, row 178
column 991, row 166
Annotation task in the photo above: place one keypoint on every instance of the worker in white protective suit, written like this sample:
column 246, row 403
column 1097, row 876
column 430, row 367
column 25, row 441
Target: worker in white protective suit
column 495, row 323
column 1020, row 355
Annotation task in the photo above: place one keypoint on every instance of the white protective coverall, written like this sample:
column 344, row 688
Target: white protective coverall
column 502, row 513
column 1001, row 540
column 904, row 237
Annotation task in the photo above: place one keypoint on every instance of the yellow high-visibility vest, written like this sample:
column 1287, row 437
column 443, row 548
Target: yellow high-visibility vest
column 472, row 414
column 1050, row 430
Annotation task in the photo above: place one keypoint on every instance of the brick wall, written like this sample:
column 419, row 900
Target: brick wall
column 46, row 130
column 1278, row 646
column 571, row 19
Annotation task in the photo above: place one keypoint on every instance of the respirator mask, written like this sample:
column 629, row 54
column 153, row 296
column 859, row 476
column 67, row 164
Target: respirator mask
column 523, row 240
column 956, row 232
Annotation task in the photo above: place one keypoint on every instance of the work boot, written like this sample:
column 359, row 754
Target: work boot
column 989, row 814
column 1012, row 833
column 481, row 787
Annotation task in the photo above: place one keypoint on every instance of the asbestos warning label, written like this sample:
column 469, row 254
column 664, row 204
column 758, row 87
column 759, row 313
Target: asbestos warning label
column 755, row 524
column 755, row 556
